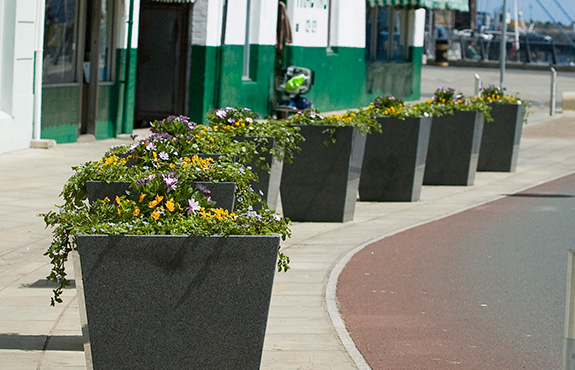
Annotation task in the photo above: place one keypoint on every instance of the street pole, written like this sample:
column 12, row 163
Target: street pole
column 569, row 342
column 553, row 97
column 477, row 84
column 503, row 46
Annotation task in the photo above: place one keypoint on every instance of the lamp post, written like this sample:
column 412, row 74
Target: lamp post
column 503, row 46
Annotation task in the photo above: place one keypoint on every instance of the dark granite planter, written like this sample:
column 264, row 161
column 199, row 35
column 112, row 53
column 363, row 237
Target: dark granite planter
column 394, row 160
column 322, row 182
column 501, row 138
column 453, row 150
column 223, row 193
column 175, row 302
column 101, row 189
column 268, row 182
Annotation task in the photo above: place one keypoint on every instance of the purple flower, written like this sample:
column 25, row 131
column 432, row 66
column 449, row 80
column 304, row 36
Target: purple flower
column 170, row 181
column 164, row 156
column 193, row 206
column 249, row 120
column 150, row 146
column 221, row 113
column 145, row 180
column 231, row 120
column 192, row 125
column 133, row 136
column 204, row 189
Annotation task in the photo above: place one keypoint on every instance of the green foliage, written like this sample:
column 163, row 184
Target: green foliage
column 447, row 101
column 160, row 199
column 496, row 95
column 243, row 122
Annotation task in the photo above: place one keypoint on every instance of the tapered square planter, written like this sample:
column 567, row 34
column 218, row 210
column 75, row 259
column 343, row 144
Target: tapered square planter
column 394, row 160
column 269, row 181
column 322, row 182
column 174, row 302
column 501, row 138
column 453, row 150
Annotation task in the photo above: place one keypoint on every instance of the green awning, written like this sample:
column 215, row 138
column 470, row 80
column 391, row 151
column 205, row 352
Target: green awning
column 174, row 1
column 461, row 5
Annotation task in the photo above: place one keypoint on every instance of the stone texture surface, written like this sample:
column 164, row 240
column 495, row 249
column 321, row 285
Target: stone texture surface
column 223, row 193
column 322, row 182
column 394, row 160
column 501, row 138
column 453, row 151
column 177, row 302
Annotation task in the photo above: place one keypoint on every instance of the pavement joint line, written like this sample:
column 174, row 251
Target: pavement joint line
column 333, row 276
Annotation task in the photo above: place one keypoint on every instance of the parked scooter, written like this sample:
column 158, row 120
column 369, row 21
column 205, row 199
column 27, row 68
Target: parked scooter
column 296, row 82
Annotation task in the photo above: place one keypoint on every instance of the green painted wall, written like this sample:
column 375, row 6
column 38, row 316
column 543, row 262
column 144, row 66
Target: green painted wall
column 254, row 93
column 204, row 62
column 61, row 105
column 126, row 90
column 344, row 80
column 60, row 113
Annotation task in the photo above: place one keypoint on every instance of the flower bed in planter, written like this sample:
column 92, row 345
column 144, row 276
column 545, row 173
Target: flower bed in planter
column 322, row 182
column 501, row 138
column 163, row 258
column 455, row 137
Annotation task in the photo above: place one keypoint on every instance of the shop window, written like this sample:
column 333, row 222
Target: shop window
column 60, row 40
column 106, row 37
column 386, row 34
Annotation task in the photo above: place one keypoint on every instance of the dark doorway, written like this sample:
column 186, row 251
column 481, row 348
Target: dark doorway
column 163, row 55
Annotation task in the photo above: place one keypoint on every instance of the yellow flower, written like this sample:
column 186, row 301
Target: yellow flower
column 170, row 205
column 118, row 200
column 106, row 200
column 119, row 212
column 156, row 201
column 136, row 212
column 156, row 215
column 142, row 196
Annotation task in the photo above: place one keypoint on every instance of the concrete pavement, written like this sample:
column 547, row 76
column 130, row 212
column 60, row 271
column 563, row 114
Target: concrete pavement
column 304, row 328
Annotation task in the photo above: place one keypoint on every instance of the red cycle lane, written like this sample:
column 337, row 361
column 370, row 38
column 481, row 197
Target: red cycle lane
column 482, row 289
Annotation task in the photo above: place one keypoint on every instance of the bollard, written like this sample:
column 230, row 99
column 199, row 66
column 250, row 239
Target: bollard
column 553, row 98
column 569, row 340
column 477, row 84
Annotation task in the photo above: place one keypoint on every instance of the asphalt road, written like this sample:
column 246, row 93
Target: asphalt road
column 482, row 289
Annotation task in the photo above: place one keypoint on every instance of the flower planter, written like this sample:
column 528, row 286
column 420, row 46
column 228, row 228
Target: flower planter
column 223, row 193
column 394, row 160
column 322, row 182
column 175, row 302
column 268, row 181
column 453, row 150
column 101, row 189
column 501, row 138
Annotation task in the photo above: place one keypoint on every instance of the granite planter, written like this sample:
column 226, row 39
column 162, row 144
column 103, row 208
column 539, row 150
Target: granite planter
column 394, row 160
column 322, row 182
column 102, row 189
column 453, row 150
column 174, row 302
column 269, row 181
column 501, row 138
column 223, row 193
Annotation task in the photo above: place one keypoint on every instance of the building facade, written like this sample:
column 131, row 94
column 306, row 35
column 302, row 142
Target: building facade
column 111, row 65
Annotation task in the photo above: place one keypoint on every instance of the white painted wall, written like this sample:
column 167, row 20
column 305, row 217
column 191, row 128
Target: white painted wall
column 348, row 23
column 17, row 20
column 123, row 11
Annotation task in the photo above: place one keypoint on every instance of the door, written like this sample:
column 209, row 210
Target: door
column 163, row 53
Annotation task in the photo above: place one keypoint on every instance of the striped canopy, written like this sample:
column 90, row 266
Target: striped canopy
column 175, row 1
column 461, row 5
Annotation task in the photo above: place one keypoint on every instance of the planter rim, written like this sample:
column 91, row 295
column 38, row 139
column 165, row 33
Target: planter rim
column 186, row 236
